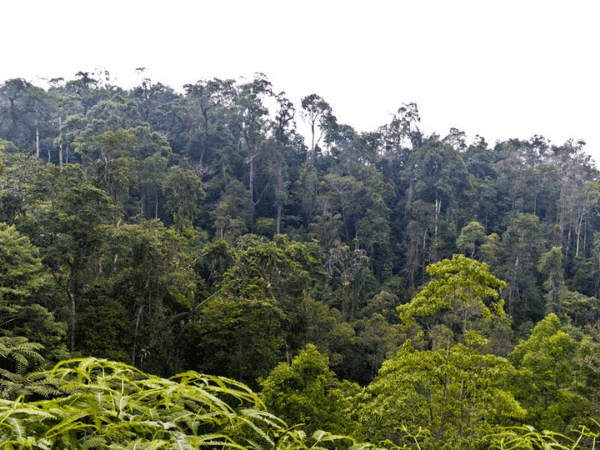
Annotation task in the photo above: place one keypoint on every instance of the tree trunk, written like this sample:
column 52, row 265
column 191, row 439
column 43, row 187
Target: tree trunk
column 72, row 298
column 37, row 140
column 438, row 209
column 135, row 334
column 278, row 222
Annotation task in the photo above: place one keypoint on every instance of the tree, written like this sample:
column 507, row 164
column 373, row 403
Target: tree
column 88, row 89
column 545, row 382
column 183, row 193
column 551, row 266
column 252, row 122
column 20, row 266
column 232, row 214
column 455, row 391
column 317, row 114
column 456, row 395
column 519, row 251
column 20, row 103
column 471, row 235
column 203, row 98
column 284, row 134
column 462, row 292
column 440, row 177
column 112, row 156
column 144, row 296
column 346, row 265
column 308, row 392
column 261, row 313
column 237, row 337
column 340, row 191
column 402, row 136
column 378, row 337
column 64, row 219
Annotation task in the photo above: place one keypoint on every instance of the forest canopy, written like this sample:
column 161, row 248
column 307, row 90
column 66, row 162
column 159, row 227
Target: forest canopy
column 394, row 287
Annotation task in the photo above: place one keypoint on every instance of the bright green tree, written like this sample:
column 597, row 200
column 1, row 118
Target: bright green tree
column 545, row 382
column 22, row 284
column 454, row 391
column 462, row 295
column 307, row 391
column 456, row 395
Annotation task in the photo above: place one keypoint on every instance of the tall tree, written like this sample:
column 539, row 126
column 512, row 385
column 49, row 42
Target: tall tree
column 551, row 266
column 203, row 98
column 283, row 133
column 183, row 193
column 317, row 113
column 64, row 219
column 252, row 121
column 519, row 252
column 112, row 162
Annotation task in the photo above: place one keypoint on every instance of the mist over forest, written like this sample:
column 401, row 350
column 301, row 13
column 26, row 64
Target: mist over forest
column 404, row 289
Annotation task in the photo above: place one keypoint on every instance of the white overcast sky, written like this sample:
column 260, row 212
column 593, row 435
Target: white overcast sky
column 499, row 69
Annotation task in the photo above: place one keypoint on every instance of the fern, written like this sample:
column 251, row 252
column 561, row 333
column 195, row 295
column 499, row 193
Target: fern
column 21, row 357
column 105, row 404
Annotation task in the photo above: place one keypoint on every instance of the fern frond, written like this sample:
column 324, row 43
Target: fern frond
column 94, row 442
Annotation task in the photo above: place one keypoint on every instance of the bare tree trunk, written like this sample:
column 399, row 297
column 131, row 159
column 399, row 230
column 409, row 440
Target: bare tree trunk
column 279, row 189
column 278, row 223
column 37, row 140
column 135, row 334
column 72, row 321
column 438, row 209
column 60, row 146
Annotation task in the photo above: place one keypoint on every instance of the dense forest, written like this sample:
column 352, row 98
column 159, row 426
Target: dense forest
column 391, row 287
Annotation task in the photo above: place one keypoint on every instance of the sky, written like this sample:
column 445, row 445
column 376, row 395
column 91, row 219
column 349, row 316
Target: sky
column 497, row 69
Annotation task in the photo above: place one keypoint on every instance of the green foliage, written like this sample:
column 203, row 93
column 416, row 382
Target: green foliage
column 456, row 395
column 461, row 289
column 520, row 249
column 243, row 337
column 545, row 381
column 65, row 218
column 84, row 165
column 37, row 324
column 102, row 404
column 308, row 392
column 18, row 357
column 183, row 192
column 143, row 297
column 20, row 265
column 112, row 161
column 470, row 237
column 551, row 265
column 527, row 437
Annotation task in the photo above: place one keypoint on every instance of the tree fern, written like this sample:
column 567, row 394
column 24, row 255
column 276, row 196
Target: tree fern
column 18, row 356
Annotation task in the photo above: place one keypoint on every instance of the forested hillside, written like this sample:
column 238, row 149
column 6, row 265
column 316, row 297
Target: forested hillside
column 400, row 288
